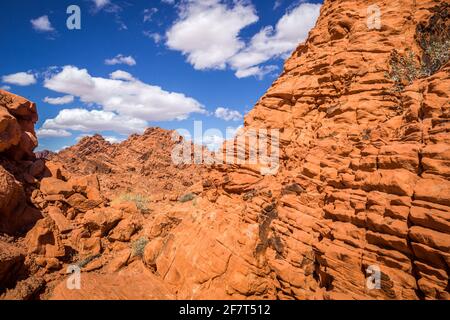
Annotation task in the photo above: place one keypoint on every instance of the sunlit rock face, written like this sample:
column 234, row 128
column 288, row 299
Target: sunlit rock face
column 364, row 181
column 358, row 208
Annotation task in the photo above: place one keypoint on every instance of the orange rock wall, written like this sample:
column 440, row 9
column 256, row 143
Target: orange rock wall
column 372, row 164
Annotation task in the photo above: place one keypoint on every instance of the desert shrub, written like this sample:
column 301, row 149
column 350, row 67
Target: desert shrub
column 293, row 188
column 138, row 247
column 433, row 37
column 140, row 200
column 404, row 69
column 366, row 134
column 187, row 197
column 435, row 56
column 249, row 195
column 84, row 262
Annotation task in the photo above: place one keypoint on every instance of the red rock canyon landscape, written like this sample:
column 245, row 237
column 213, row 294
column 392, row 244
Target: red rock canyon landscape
column 362, row 185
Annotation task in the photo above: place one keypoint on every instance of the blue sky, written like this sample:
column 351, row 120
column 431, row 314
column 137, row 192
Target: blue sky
column 135, row 64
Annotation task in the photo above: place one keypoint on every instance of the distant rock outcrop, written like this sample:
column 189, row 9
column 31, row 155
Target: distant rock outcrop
column 142, row 164
column 359, row 207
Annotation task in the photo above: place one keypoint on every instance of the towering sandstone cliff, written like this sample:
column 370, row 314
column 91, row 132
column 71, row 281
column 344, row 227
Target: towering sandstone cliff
column 364, row 178
column 370, row 165
column 363, row 184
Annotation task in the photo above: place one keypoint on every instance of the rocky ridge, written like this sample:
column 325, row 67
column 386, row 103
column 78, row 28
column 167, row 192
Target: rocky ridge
column 77, row 209
column 363, row 182
column 142, row 164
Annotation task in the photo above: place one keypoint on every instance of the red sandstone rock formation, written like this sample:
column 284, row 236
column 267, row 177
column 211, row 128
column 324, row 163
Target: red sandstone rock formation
column 17, row 141
column 363, row 182
column 141, row 165
column 17, row 116
column 371, row 162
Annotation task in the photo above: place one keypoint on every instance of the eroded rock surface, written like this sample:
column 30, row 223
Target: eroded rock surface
column 363, row 185
column 363, row 179
column 140, row 164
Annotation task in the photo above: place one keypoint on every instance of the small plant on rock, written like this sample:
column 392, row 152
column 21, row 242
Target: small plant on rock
column 84, row 262
column 366, row 134
column 434, row 39
column 249, row 195
column 138, row 247
column 404, row 69
column 140, row 200
column 187, row 197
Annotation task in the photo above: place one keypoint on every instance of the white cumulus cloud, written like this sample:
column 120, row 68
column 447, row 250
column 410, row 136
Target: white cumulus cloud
column 257, row 71
column 280, row 41
column 227, row 114
column 213, row 142
column 121, row 75
column 53, row 133
column 207, row 31
column 148, row 14
column 94, row 120
column 123, row 95
column 20, row 79
column 214, row 139
column 156, row 37
column 42, row 24
column 100, row 3
column 112, row 139
column 59, row 100
column 121, row 59
column 277, row 4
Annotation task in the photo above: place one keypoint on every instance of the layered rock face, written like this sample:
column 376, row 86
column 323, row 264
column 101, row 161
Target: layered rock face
column 364, row 168
column 17, row 142
column 359, row 207
column 362, row 191
column 92, row 206
column 142, row 164
column 17, row 119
